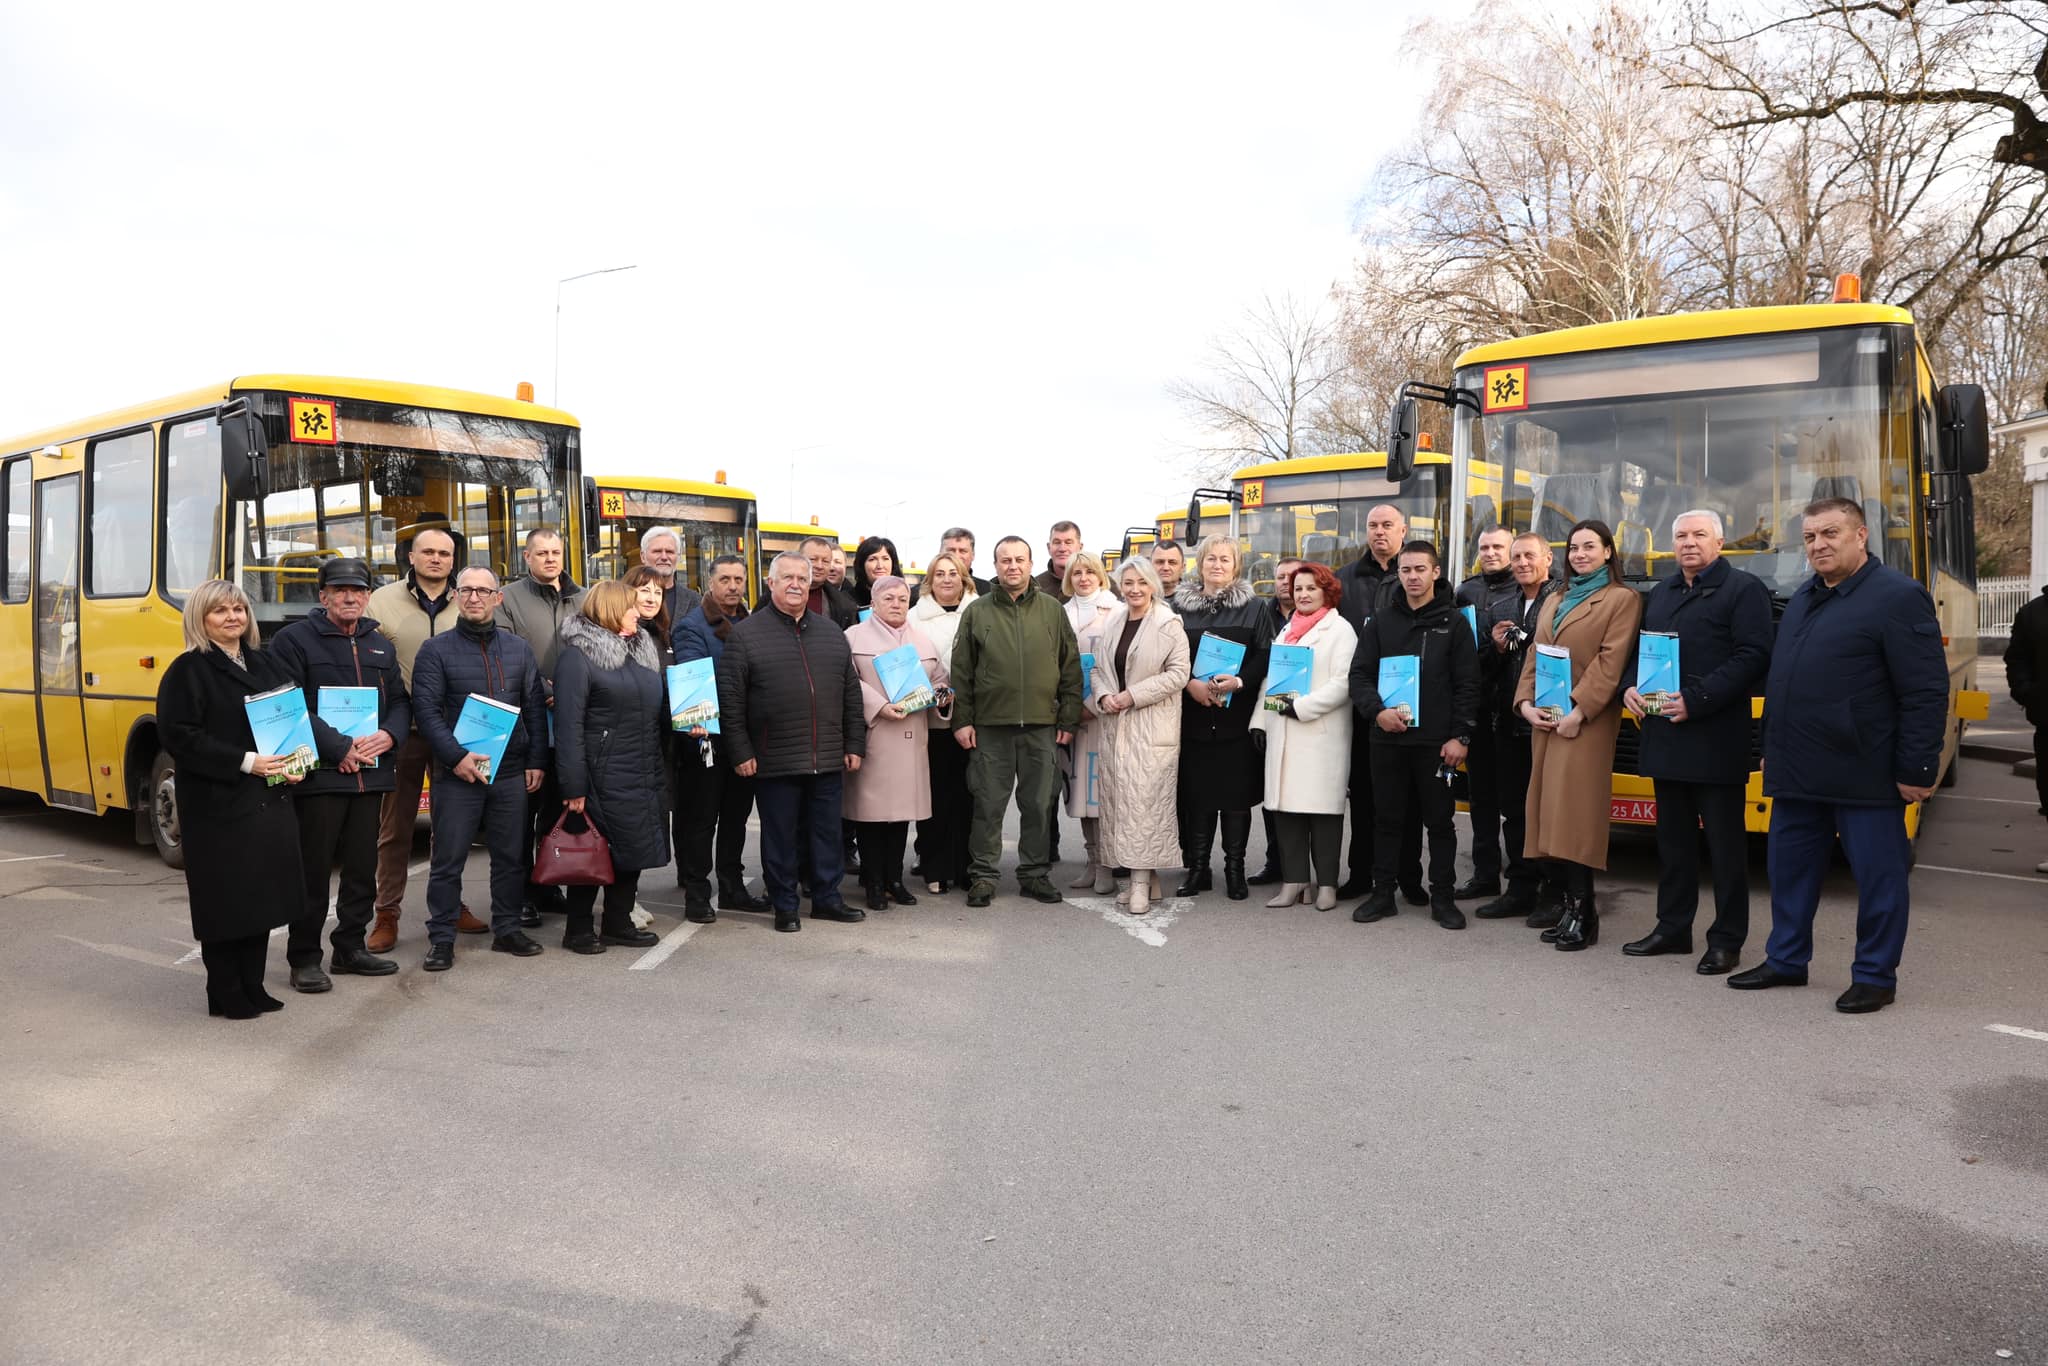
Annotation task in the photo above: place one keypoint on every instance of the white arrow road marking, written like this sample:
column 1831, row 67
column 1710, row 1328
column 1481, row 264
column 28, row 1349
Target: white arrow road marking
column 1148, row 928
column 658, row 955
column 2022, row 1033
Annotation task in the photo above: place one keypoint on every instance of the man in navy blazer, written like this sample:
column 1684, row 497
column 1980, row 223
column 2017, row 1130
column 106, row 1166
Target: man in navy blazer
column 1854, row 717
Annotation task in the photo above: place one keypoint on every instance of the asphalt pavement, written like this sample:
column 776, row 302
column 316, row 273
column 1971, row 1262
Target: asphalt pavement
column 1030, row 1134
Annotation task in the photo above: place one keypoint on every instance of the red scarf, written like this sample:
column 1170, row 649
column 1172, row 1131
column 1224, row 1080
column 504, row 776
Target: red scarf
column 1299, row 625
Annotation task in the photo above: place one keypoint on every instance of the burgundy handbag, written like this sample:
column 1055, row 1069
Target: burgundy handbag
column 573, row 859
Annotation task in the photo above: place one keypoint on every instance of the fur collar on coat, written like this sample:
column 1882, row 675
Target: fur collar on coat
column 1190, row 597
column 608, row 649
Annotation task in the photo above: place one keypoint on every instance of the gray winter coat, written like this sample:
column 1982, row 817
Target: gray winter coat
column 610, row 707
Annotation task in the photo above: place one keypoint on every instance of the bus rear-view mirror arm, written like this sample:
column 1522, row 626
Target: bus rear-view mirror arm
column 244, row 451
column 1195, row 501
column 1406, row 422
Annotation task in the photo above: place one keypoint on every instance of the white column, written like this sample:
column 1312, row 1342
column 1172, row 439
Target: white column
column 2034, row 452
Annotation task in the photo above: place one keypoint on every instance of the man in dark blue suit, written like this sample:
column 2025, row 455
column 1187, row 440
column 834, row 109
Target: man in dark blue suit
column 1854, row 717
column 1695, row 744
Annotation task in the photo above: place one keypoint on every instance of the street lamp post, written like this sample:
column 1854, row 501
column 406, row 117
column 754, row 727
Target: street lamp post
column 555, row 398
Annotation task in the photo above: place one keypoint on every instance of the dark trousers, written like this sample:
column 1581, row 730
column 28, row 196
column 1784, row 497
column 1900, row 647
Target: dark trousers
column 1482, row 787
column 1874, row 839
column 1007, row 760
column 712, row 806
column 1304, row 841
column 1513, row 762
column 2040, row 766
column 1406, row 787
column 942, row 840
column 460, row 811
column 1364, row 832
column 331, row 825
column 1267, row 817
column 543, row 809
column 234, row 965
column 1573, row 879
column 806, row 806
column 881, row 852
column 399, row 813
column 619, row 896
column 1682, row 810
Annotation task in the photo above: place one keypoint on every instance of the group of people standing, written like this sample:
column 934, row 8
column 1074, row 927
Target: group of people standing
column 1070, row 687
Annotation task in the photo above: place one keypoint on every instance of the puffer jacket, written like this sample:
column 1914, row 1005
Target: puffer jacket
column 788, row 696
column 319, row 655
column 1449, row 692
column 450, row 667
column 610, row 711
column 1016, row 663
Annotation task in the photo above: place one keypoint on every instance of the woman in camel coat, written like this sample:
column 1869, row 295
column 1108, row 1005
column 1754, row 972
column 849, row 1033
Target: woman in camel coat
column 1141, row 665
column 1572, row 758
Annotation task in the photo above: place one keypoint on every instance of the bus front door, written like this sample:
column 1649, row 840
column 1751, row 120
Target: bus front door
column 60, row 696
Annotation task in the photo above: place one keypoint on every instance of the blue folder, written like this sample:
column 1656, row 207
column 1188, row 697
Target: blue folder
column 485, row 727
column 1216, row 656
column 1289, row 670
column 1657, row 664
column 1087, row 675
column 1401, row 685
column 352, row 711
column 1471, row 615
column 1553, row 680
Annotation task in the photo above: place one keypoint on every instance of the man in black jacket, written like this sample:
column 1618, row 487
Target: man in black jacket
column 661, row 548
column 789, row 706
column 1695, row 745
column 828, row 600
column 340, row 804
column 1412, row 756
column 1509, row 630
column 1371, row 584
column 2026, row 673
column 1493, row 588
column 479, row 657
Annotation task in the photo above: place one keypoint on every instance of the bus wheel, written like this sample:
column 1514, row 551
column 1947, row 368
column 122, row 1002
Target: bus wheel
column 163, row 811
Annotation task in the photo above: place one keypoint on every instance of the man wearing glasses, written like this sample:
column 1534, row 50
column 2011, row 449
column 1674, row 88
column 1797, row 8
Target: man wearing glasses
column 479, row 657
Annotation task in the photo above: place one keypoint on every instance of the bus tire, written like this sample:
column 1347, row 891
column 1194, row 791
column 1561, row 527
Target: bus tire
column 161, row 801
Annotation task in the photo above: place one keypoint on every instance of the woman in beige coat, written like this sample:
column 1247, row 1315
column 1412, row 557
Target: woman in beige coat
column 1141, row 665
column 1572, row 757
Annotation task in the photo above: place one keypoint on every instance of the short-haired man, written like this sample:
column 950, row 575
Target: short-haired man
column 1695, row 745
column 1855, row 712
column 1062, row 544
column 1169, row 561
column 407, row 613
column 1507, row 632
column 661, row 550
column 339, row 804
column 1413, row 755
column 534, row 608
column 468, row 798
column 1016, row 698
column 711, row 799
column 790, row 710
column 1370, row 584
column 959, row 543
column 1486, row 592
column 828, row 600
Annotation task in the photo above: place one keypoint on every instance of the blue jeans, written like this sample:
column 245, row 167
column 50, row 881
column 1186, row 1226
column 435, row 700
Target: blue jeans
column 459, row 810
column 1874, row 839
column 779, row 801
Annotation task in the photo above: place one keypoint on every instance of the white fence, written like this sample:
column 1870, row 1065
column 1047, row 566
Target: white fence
column 1998, row 602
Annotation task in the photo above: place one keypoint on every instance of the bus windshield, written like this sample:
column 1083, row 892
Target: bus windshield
column 1321, row 517
column 709, row 526
column 393, row 471
column 1753, row 428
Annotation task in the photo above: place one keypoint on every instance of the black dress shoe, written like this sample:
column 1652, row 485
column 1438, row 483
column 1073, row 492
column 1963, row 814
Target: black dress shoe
column 440, row 957
column 699, row 912
column 1507, row 907
column 1476, row 887
column 1547, row 912
column 1764, row 975
column 877, row 899
column 518, row 943
column 840, row 911
column 1358, row 884
column 548, row 900
column 629, row 938
column 1444, row 911
column 585, row 941
column 361, row 963
column 740, row 899
column 900, row 895
column 1715, row 961
column 1378, row 906
column 1862, row 998
column 529, row 918
column 308, row 978
column 1265, row 877
column 1660, row 940
column 1415, row 894
column 788, row 922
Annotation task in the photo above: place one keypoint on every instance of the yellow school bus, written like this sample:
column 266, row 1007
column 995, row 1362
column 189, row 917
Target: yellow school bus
column 1314, row 507
column 712, row 519
column 1753, row 413
column 106, row 523
column 776, row 537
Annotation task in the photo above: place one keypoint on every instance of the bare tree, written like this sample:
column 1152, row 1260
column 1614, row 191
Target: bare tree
column 1269, row 383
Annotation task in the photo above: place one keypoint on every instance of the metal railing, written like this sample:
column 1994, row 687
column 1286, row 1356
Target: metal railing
column 1998, row 602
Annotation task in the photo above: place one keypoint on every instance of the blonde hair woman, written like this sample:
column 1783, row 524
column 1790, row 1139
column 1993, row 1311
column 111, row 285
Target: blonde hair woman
column 942, row 838
column 1139, row 672
column 1088, row 606
column 1221, row 771
column 236, row 825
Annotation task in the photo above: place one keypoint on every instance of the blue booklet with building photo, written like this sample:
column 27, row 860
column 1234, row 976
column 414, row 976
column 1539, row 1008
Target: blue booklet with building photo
column 693, row 695
column 1401, row 686
column 1216, row 657
column 1656, row 669
column 1553, row 681
column 485, row 727
column 281, row 726
column 904, row 680
column 352, row 711
column 1289, row 671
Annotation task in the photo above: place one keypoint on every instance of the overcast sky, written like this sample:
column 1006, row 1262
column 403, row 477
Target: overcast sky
column 899, row 266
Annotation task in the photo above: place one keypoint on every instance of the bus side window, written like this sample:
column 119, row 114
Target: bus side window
column 121, row 476
column 14, row 531
column 191, row 526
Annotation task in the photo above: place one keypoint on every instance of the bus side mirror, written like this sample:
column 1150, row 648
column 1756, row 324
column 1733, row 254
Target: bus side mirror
column 1194, row 531
column 244, row 452
column 1401, row 429
column 1965, row 430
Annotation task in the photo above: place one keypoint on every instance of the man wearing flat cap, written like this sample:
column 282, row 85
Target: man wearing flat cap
column 356, row 697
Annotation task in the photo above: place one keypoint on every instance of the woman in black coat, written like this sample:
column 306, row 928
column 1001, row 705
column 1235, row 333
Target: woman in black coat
column 610, row 709
column 1221, row 767
column 874, row 560
column 241, row 836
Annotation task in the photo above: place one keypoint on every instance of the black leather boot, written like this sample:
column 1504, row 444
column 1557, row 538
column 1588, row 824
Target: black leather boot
column 255, row 949
column 1580, row 928
column 1197, row 842
column 1549, row 910
column 1237, row 836
column 1567, row 922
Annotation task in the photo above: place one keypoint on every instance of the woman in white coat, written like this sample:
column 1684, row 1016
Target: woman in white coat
column 1308, row 743
column 942, row 838
column 1088, row 608
column 1139, row 672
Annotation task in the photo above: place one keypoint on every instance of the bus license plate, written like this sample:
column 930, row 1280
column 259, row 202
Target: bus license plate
column 1632, row 810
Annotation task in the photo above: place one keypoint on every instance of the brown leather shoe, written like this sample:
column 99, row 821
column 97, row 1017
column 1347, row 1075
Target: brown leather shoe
column 384, row 933
column 469, row 924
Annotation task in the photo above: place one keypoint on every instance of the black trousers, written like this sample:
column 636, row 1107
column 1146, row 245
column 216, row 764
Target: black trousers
column 1683, row 809
column 1482, row 786
column 712, row 806
column 2041, row 766
column 335, row 825
column 543, row 809
column 1575, row 879
column 1406, row 787
column 461, row 812
column 881, row 852
column 1513, row 761
column 1361, row 857
column 619, row 895
column 1302, row 842
column 942, row 840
